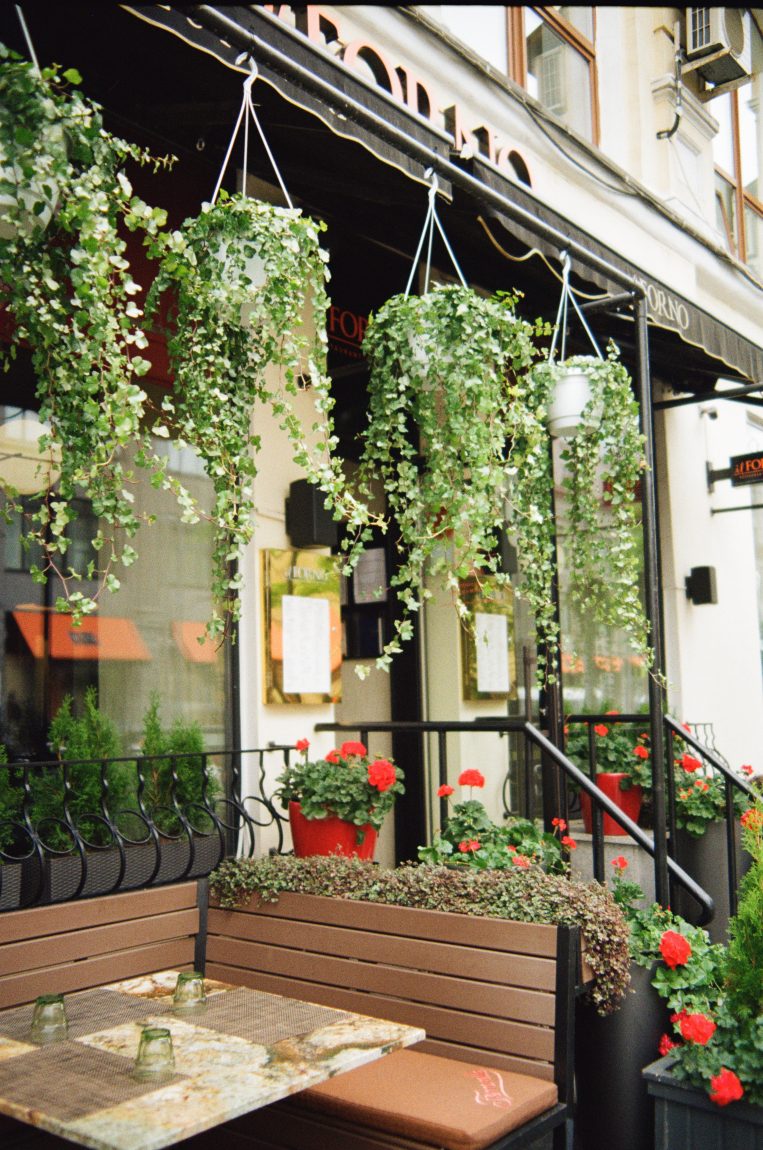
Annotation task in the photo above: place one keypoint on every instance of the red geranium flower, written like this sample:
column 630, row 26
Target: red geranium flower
column 701, row 785
column 601, row 730
column 689, row 763
column 568, row 842
column 752, row 819
column 348, row 749
column 381, row 775
column 302, row 745
column 641, row 752
column 666, row 1045
column 520, row 860
column 559, row 823
column 469, row 845
column 746, row 769
column 674, row 948
column 611, row 712
column 444, row 791
column 620, row 862
column 725, row 1087
column 471, row 778
column 697, row 1028
column 333, row 756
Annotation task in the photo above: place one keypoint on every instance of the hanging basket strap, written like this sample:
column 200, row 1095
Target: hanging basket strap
column 568, row 296
column 432, row 219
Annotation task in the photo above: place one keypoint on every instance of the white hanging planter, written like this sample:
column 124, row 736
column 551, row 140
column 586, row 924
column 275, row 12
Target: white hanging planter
column 571, row 394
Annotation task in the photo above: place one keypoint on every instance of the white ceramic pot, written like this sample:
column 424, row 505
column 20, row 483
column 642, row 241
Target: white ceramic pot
column 571, row 394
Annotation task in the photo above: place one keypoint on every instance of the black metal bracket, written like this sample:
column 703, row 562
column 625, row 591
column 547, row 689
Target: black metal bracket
column 714, row 474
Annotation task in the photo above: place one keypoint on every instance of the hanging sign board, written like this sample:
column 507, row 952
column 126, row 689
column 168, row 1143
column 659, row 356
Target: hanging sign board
column 488, row 660
column 746, row 469
column 303, row 628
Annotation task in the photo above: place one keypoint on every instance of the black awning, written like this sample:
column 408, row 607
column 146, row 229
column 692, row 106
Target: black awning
column 358, row 110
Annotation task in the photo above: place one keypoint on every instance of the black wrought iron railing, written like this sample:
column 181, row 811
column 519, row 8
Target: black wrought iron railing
column 76, row 828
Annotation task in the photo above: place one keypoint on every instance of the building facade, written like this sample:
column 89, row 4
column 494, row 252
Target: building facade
column 628, row 137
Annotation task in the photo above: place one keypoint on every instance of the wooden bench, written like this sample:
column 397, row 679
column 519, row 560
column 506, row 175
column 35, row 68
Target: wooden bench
column 496, row 999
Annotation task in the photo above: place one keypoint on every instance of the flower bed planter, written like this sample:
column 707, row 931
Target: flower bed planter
column 685, row 1117
column 706, row 859
column 330, row 836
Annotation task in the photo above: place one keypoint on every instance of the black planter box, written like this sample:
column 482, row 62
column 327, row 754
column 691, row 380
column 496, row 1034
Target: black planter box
column 684, row 1117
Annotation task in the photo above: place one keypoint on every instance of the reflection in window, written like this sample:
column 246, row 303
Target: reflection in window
column 557, row 74
column 737, row 150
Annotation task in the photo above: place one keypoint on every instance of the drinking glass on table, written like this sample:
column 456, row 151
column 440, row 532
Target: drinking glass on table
column 156, row 1059
column 49, row 1022
column 189, row 992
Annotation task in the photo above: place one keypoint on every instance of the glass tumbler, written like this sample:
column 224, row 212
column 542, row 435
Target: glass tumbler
column 49, row 1022
column 155, row 1061
column 189, row 992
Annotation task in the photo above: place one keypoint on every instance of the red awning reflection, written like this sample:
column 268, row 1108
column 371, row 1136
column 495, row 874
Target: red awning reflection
column 98, row 637
column 187, row 636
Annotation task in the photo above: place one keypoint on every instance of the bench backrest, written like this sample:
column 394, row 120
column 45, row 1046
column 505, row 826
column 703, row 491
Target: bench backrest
column 480, row 987
column 71, row 946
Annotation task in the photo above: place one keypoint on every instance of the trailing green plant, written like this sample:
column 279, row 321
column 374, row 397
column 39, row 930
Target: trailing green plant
column 448, row 428
column 67, row 286
column 347, row 784
column 603, row 463
column 174, row 772
column 524, row 895
column 243, row 276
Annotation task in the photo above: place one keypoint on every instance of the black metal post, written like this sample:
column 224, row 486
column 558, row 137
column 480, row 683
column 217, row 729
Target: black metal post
column 652, row 604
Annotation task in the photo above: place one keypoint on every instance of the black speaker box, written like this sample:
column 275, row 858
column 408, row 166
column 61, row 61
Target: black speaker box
column 308, row 523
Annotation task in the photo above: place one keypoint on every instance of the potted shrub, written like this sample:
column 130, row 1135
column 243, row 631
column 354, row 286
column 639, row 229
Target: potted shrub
column 623, row 768
column 67, row 286
column 712, row 1070
column 337, row 804
column 469, row 837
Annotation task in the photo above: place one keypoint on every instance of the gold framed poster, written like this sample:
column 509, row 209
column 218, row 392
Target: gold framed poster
column 302, row 627
column 488, row 656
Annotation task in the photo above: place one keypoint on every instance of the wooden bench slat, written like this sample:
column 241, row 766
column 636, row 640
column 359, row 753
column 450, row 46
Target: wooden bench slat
column 406, row 922
column 476, row 1030
column 62, row 918
column 464, row 994
column 177, row 954
column 52, row 950
column 483, row 1058
column 504, row 968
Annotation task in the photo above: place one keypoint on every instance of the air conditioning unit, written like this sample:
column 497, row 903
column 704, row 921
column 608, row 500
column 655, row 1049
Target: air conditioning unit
column 718, row 43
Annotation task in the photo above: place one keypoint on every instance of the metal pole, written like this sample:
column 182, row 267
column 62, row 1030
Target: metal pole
column 652, row 605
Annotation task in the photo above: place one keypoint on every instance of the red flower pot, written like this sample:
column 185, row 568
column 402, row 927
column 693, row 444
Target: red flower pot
column 628, row 801
column 330, row 836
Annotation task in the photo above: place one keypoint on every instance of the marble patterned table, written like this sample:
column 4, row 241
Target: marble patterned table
column 245, row 1050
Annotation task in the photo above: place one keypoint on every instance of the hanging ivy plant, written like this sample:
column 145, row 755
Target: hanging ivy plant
column 67, row 285
column 604, row 462
column 242, row 276
column 448, row 428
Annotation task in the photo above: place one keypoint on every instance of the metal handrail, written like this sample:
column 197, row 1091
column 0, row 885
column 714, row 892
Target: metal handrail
column 600, row 801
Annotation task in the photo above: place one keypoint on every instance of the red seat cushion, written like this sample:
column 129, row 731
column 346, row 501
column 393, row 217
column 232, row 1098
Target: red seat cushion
column 440, row 1101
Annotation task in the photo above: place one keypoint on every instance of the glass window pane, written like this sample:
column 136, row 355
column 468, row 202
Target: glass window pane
column 723, row 142
column 481, row 27
column 750, row 142
column 557, row 75
column 580, row 18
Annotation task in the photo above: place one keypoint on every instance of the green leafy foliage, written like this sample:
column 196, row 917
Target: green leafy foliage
column 604, row 461
column 175, row 778
column 67, row 285
column 244, row 276
column 701, row 793
column 621, row 748
column 522, row 895
column 342, row 786
column 448, row 426
column 11, row 796
column 469, row 838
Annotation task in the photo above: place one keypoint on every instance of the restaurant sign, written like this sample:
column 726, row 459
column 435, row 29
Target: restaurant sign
column 746, row 469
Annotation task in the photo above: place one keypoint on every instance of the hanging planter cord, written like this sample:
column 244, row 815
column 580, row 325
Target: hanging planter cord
column 561, row 316
column 427, row 233
column 247, row 105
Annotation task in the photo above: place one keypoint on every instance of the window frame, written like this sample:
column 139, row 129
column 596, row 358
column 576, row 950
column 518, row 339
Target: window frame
column 735, row 180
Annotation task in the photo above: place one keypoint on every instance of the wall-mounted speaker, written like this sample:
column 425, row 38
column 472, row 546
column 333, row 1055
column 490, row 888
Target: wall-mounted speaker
column 308, row 523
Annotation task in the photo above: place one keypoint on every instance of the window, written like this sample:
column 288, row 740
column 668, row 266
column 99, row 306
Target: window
column 737, row 152
column 548, row 50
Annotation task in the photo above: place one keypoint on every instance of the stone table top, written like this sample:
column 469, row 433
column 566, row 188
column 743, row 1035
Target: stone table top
column 245, row 1049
